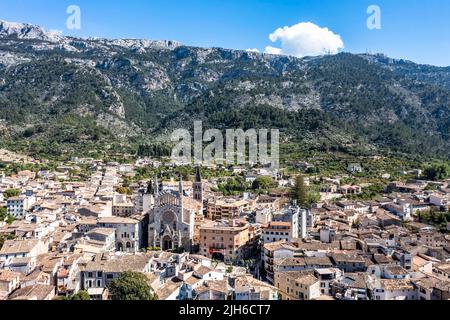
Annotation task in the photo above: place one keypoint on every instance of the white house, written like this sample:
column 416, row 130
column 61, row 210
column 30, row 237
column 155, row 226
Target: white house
column 104, row 236
column 394, row 289
column 439, row 199
column 100, row 274
column 263, row 215
column 327, row 235
column 22, row 249
column 9, row 281
column 128, row 232
column 18, row 206
column 354, row 168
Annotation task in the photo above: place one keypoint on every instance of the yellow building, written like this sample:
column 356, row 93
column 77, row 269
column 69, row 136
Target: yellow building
column 125, row 209
column 227, row 208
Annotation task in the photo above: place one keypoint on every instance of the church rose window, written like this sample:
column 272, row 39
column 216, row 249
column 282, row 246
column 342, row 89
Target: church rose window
column 168, row 217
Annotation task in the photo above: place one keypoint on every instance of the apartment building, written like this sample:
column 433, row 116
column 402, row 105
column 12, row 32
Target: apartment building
column 125, row 209
column 278, row 231
column 297, row 285
column 227, row 208
column 225, row 240
column 18, row 206
column 276, row 251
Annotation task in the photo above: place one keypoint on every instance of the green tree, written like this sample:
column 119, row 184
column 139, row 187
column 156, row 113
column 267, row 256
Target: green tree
column 312, row 198
column 81, row 295
column 131, row 286
column 3, row 213
column 437, row 172
column 263, row 182
column 10, row 219
column 124, row 190
column 300, row 191
column 232, row 186
column 9, row 193
column 425, row 215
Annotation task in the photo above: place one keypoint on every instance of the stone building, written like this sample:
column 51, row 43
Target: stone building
column 172, row 218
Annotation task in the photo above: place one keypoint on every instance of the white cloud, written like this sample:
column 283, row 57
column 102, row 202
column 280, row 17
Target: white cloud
column 273, row 50
column 252, row 50
column 305, row 39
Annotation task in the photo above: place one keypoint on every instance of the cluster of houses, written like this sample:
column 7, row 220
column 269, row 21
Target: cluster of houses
column 193, row 243
column 358, row 250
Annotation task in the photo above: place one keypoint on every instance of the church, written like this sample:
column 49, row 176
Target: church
column 173, row 216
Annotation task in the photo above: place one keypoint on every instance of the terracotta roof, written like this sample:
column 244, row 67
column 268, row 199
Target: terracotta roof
column 8, row 275
column 38, row 292
column 396, row 284
column 117, row 220
column 119, row 264
column 168, row 289
column 18, row 246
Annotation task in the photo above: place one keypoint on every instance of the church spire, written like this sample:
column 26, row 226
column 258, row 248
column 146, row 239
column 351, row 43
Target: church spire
column 181, row 193
column 198, row 176
column 198, row 186
column 180, row 185
column 156, row 187
column 150, row 188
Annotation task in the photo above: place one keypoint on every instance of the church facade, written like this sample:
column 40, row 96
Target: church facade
column 172, row 219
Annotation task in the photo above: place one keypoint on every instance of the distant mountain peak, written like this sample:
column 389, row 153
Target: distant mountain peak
column 28, row 31
column 34, row 32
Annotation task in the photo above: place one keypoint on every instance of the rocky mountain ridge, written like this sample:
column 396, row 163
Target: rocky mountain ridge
column 61, row 92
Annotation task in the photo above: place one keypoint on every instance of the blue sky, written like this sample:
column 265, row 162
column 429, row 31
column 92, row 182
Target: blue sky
column 418, row 30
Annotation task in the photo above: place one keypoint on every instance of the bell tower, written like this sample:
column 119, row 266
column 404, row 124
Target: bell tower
column 198, row 186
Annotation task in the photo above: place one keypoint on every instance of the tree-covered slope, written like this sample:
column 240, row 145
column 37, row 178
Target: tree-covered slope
column 67, row 94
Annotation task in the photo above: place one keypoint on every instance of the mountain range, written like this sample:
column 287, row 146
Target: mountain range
column 66, row 95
